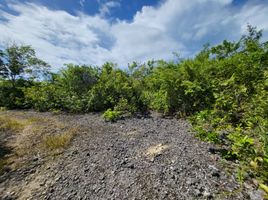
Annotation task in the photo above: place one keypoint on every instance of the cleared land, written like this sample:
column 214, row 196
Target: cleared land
column 59, row 156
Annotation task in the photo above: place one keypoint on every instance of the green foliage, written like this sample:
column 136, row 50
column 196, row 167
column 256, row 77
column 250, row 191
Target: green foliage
column 78, row 79
column 242, row 145
column 111, row 115
column 223, row 90
column 18, row 61
column 41, row 96
column 237, row 76
column 116, row 90
column 11, row 95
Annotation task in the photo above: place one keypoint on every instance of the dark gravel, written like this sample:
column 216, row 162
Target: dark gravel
column 146, row 158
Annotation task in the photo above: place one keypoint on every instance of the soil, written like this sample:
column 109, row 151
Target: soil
column 135, row 158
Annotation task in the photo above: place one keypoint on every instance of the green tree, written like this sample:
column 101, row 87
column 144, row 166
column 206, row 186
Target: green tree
column 18, row 61
column 79, row 79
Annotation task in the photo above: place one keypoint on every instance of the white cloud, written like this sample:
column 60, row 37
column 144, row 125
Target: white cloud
column 154, row 33
column 105, row 8
column 82, row 2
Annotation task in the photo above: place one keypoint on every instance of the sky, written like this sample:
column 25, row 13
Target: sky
column 122, row 31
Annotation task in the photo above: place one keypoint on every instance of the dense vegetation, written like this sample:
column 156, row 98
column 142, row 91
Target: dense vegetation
column 223, row 91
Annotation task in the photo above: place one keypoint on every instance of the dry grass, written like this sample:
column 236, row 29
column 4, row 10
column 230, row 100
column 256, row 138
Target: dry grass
column 34, row 119
column 2, row 109
column 59, row 141
column 30, row 135
column 10, row 124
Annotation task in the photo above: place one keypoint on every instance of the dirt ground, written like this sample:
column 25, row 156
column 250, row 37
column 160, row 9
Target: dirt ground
column 135, row 158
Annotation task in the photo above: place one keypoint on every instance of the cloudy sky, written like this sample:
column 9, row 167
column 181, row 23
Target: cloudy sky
column 122, row 31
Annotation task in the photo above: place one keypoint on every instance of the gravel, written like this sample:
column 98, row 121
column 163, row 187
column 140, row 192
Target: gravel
column 136, row 158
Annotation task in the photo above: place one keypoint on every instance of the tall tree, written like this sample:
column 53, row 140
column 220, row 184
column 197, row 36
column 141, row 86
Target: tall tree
column 17, row 61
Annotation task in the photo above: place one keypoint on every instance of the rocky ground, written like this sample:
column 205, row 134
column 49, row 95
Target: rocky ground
column 138, row 158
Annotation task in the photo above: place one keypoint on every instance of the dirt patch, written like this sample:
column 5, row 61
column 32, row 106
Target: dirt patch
column 155, row 151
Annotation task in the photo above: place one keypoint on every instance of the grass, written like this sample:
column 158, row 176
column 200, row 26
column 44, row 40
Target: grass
column 59, row 141
column 34, row 119
column 10, row 124
column 2, row 109
column 27, row 135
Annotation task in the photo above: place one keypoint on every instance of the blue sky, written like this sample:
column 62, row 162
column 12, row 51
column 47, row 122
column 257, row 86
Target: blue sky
column 121, row 9
column 122, row 31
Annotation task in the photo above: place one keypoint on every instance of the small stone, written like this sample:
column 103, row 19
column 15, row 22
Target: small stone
column 75, row 152
column 206, row 193
column 58, row 178
column 123, row 162
column 35, row 159
column 197, row 192
column 131, row 166
column 42, row 184
column 255, row 182
column 215, row 174
column 256, row 194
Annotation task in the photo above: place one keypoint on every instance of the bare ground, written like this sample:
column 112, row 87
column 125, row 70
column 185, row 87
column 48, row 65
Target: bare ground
column 137, row 158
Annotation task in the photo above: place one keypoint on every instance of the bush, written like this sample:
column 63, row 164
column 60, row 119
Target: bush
column 115, row 89
column 223, row 89
column 44, row 97
column 112, row 116
column 12, row 96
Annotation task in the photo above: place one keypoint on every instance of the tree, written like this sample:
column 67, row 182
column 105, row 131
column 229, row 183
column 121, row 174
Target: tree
column 2, row 66
column 18, row 61
column 79, row 79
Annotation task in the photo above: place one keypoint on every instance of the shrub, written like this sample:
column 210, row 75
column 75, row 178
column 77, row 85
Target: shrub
column 112, row 116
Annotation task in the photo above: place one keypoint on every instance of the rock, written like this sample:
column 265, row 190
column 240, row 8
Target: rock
column 206, row 194
column 35, row 159
column 102, row 177
column 42, row 183
column 104, row 164
column 216, row 174
column 131, row 166
column 190, row 181
column 75, row 152
column 197, row 192
column 256, row 194
column 123, row 162
column 86, row 170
